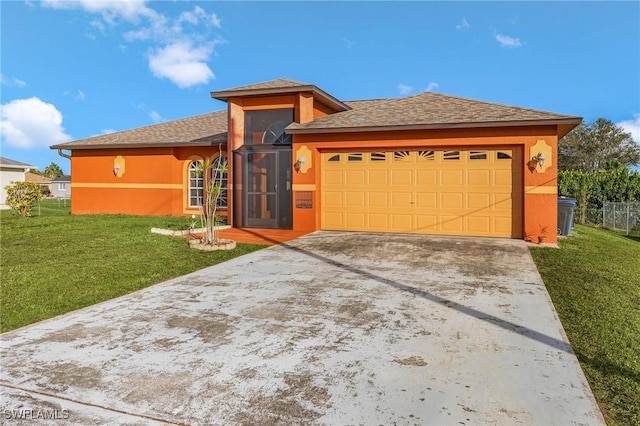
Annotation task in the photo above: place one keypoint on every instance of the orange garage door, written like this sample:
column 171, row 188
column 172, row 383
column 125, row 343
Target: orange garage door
column 432, row 191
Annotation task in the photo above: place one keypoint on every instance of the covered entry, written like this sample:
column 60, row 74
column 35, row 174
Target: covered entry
column 456, row 191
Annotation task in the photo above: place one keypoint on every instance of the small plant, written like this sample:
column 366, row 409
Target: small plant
column 543, row 234
column 21, row 196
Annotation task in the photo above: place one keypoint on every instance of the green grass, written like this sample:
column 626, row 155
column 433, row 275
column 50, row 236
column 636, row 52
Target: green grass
column 594, row 281
column 56, row 263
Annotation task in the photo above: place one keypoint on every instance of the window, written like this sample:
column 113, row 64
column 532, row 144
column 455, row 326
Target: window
column 477, row 155
column 267, row 126
column 62, row 186
column 426, row 155
column 355, row 156
column 378, row 156
column 334, row 158
column 451, row 155
column 504, row 155
column 220, row 171
column 196, row 184
column 401, row 156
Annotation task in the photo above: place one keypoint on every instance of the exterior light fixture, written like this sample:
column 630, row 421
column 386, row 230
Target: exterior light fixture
column 540, row 159
column 116, row 169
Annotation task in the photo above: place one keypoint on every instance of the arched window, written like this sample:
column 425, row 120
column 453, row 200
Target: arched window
column 220, row 171
column 196, row 184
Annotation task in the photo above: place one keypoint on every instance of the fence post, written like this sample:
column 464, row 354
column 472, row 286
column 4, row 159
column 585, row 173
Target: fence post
column 627, row 219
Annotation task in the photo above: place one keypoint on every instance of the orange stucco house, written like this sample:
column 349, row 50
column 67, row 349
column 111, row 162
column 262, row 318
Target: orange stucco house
column 303, row 160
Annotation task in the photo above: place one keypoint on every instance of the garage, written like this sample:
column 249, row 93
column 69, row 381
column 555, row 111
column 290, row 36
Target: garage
column 454, row 191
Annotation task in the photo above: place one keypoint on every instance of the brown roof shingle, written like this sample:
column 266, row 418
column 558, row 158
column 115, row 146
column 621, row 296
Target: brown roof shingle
column 426, row 110
column 201, row 130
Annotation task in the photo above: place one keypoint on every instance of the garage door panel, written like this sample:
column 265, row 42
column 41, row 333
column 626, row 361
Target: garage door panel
column 453, row 191
column 401, row 199
column 426, row 177
column 452, row 177
column 479, row 177
column 426, row 199
column 401, row 177
column 378, row 221
column 355, row 177
column 355, row 199
column 378, row 199
column 378, row 177
column 452, row 200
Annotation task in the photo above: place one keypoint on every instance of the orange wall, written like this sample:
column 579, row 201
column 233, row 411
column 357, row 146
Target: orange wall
column 154, row 180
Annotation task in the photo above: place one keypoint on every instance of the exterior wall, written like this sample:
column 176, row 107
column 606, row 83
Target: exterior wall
column 8, row 175
column 151, row 181
column 540, row 189
column 61, row 189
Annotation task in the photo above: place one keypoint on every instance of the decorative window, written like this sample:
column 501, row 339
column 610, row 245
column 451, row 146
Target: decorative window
column 355, row 156
column 219, row 171
column 378, row 156
column 401, row 155
column 477, row 155
column 196, row 184
column 334, row 158
column 504, row 155
column 451, row 155
column 62, row 187
column 426, row 155
column 267, row 126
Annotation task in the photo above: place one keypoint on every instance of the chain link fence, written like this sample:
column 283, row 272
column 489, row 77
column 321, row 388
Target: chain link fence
column 623, row 217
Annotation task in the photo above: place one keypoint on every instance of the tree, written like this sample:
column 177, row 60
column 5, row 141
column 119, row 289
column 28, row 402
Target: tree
column 592, row 146
column 21, row 196
column 53, row 171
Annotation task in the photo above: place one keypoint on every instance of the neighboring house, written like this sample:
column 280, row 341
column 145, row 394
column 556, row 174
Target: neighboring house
column 61, row 187
column 301, row 159
column 11, row 171
column 43, row 181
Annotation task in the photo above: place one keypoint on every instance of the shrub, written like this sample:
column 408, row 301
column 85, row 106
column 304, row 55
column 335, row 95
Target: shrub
column 21, row 196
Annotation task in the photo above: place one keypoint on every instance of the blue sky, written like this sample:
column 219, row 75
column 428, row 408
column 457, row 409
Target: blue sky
column 71, row 70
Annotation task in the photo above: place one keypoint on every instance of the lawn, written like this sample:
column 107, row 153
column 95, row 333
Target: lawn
column 594, row 281
column 54, row 263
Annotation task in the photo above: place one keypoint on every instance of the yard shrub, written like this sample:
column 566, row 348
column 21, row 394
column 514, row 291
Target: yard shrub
column 21, row 196
column 616, row 183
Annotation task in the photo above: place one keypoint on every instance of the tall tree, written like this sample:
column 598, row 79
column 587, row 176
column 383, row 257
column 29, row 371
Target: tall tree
column 592, row 146
column 53, row 171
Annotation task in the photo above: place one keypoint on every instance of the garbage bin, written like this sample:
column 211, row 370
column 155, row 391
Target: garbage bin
column 566, row 206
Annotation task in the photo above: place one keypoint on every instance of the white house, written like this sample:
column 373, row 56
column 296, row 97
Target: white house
column 11, row 171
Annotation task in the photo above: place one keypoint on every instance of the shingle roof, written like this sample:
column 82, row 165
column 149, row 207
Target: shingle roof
column 63, row 178
column 281, row 86
column 426, row 110
column 201, row 130
column 32, row 177
column 7, row 162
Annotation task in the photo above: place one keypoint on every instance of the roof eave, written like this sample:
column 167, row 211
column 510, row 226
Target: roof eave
column 323, row 96
column 569, row 122
column 137, row 145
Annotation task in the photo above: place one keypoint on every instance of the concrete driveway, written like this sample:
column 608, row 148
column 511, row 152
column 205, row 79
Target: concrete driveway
column 331, row 328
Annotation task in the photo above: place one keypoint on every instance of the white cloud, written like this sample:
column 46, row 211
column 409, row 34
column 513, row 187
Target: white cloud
column 348, row 43
column 130, row 10
column 404, row 89
column 80, row 96
column 28, row 123
column 463, row 25
column 431, row 86
column 632, row 126
column 156, row 117
column 108, row 131
column 182, row 63
column 11, row 81
column 506, row 41
column 182, row 46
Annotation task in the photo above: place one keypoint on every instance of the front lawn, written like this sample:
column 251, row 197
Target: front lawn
column 594, row 281
column 54, row 263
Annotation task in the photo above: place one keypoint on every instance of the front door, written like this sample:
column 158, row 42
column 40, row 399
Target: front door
column 267, row 194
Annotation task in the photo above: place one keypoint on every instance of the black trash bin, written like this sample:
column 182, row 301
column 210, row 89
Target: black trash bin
column 566, row 206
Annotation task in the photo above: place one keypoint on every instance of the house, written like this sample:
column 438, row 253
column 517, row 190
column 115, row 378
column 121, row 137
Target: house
column 43, row 181
column 61, row 187
column 11, row 171
column 301, row 159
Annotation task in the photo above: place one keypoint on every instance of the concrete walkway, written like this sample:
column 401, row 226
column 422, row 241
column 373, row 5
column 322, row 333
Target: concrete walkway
column 331, row 328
